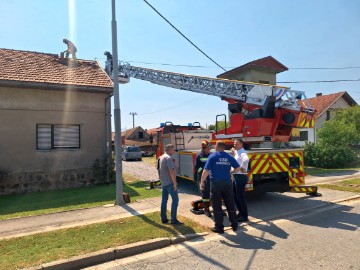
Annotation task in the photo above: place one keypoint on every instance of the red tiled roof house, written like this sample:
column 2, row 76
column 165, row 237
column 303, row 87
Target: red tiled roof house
column 138, row 136
column 326, row 107
column 55, row 121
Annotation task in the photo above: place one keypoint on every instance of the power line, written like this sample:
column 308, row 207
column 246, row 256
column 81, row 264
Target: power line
column 183, row 35
column 324, row 68
column 200, row 66
column 329, row 81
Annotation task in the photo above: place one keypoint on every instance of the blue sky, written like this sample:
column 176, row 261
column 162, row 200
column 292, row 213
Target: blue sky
column 322, row 33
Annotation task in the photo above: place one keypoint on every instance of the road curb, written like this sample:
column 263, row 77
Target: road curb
column 120, row 252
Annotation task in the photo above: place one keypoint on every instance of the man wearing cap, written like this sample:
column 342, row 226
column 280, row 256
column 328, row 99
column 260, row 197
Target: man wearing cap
column 201, row 159
column 218, row 166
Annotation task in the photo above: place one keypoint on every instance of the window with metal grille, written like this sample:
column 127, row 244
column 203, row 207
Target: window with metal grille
column 57, row 136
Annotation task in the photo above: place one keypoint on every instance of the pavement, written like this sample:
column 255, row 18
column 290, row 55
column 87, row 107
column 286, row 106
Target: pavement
column 269, row 206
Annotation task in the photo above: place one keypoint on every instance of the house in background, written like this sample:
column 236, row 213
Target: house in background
column 55, row 121
column 137, row 136
column 326, row 107
column 262, row 70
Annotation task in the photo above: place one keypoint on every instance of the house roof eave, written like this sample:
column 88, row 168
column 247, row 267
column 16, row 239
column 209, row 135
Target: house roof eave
column 53, row 86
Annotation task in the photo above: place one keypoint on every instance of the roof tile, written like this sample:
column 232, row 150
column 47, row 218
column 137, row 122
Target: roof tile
column 26, row 66
column 323, row 102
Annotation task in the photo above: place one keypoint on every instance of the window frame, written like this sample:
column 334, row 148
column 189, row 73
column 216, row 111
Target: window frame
column 53, row 147
column 328, row 115
column 301, row 137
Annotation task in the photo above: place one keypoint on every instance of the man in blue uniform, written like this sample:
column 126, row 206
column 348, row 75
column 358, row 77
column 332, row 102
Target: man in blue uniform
column 218, row 166
column 200, row 162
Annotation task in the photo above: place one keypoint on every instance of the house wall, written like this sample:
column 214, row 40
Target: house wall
column 21, row 163
column 253, row 75
column 135, row 135
column 339, row 105
column 311, row 137
column 257, row 75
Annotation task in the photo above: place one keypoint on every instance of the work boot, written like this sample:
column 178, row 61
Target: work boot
column 206, row 209
column 217, row 230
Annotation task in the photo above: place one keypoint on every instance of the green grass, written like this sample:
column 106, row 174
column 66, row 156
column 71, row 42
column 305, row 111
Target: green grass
column 38, row 203
column 351, row 185
column 46, row 247
column 150, row 160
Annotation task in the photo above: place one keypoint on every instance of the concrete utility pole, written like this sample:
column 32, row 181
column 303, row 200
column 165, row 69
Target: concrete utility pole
column 133, row 115
column 117, row 112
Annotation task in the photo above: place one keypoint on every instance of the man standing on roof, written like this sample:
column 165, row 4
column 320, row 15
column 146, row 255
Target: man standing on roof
column 109, row 62
column 241, row 179
column 71, row 49
column 201, row 159
column 218, row 166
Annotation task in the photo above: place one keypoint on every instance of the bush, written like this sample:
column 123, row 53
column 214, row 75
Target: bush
column 338, row 139
column 328, row 156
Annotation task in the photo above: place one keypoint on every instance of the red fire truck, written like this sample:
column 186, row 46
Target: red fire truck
column 258, row 114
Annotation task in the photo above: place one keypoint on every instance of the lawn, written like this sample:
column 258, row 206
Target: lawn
column 351, row 185
column 46, row 247
column 37, row 203
column 150, row 160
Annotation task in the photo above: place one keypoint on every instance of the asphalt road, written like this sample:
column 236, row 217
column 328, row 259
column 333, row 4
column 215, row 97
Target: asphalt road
column 328, row 238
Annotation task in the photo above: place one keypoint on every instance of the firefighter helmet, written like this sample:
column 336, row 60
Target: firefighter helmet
column 205, row 144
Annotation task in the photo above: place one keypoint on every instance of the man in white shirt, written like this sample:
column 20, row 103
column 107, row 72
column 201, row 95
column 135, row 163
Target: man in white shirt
column 241, row 178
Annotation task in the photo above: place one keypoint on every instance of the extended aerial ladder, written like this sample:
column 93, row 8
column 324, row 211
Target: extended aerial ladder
column 258, row 112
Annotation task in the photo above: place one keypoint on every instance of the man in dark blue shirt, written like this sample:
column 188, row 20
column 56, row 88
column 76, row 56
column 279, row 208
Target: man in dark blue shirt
column 218, row 166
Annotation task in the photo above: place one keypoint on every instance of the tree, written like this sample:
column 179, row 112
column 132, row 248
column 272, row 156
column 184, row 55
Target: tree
column 338, row 139
column 220, row 125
